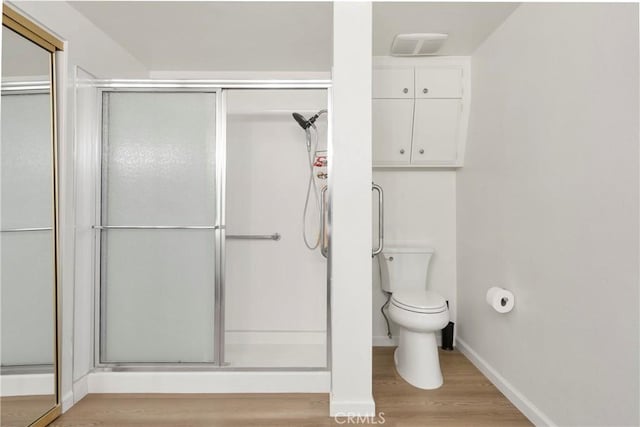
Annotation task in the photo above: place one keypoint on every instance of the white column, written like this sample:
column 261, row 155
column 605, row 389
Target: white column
column 351, row 244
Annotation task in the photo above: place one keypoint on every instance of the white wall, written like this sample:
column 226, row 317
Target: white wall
column 350, row 183
column 548, row 208
column 420, row 207
column 88, row 47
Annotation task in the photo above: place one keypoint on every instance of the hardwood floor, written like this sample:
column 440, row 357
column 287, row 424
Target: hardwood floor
column 467, row 398
column 19, row 411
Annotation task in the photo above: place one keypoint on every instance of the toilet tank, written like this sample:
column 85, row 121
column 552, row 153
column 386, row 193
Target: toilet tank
column 403, row 267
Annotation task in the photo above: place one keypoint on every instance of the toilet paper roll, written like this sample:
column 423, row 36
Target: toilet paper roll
column 501, row 300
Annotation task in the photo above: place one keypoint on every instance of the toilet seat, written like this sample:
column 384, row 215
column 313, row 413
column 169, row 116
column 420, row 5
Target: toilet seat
column 420, row 301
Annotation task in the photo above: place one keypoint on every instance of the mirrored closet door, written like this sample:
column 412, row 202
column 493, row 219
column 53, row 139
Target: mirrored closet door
column 29, row 335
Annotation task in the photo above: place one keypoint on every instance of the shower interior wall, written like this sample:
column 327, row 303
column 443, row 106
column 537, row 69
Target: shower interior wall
column 276, row 299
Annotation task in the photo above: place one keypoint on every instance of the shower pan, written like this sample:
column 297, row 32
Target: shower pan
column 199, row 260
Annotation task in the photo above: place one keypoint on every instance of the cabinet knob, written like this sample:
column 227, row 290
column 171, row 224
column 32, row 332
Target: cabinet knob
column 421, row 151
column 402, row 151
column 405, row 90
column 425, row 90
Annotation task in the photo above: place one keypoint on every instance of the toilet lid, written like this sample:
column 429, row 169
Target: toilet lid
column 419, row 300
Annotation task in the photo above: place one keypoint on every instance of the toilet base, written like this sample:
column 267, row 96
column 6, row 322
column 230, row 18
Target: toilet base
column 416, row 359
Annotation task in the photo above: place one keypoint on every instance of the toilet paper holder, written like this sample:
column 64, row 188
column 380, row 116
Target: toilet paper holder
column 501, row 300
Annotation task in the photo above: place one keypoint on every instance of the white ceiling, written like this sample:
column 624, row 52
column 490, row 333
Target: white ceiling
column 274, row 36
column 220, row 36
column 468, row 24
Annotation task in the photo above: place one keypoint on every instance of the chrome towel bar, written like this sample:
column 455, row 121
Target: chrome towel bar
column 156, row 227
column 274, row 236
column 13, row 230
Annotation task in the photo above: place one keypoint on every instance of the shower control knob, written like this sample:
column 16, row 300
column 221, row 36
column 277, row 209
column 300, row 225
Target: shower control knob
column 421, row 151
column 405, row 90
column 402, row 151
column 425, row 90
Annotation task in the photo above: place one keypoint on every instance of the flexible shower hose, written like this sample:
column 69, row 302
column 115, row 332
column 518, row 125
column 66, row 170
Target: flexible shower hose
column 311, row 155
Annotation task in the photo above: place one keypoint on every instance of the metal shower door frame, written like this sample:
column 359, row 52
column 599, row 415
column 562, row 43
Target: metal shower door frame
column 220, row 88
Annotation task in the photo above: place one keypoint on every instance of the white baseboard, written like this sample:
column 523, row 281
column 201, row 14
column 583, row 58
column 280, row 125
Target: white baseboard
column 67, row 401
column 210, row 382
column 26, row 384
column 524, row 405
column 344, row 408
column 80, row 388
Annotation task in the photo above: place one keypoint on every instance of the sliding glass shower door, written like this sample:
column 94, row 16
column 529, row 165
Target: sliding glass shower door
column 158, row 219
column 201, row 254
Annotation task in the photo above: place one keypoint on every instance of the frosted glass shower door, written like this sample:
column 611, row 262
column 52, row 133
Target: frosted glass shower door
column 158, row 220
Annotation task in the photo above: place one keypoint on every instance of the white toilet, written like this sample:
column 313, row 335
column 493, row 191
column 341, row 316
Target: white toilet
column 418, row 312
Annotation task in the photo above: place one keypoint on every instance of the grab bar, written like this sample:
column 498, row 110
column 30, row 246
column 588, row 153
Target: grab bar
column 156, row 227
column 13, row 230
column 274, row 236
column 324, row 246
column 378, row 189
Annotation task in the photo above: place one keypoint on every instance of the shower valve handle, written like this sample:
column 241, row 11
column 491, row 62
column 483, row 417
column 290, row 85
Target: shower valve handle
column 321, row 161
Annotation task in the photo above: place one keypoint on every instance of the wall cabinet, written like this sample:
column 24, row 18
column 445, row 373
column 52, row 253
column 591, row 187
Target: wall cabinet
column 438, row 82
column 420, row 115
column 392, row 127
column 393, row 83
column 435, row 131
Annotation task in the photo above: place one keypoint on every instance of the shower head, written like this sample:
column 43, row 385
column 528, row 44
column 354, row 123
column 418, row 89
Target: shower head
column 304, row 123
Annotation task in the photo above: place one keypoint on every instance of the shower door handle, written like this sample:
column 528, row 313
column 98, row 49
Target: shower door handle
column 378, row 189
column 324, row 243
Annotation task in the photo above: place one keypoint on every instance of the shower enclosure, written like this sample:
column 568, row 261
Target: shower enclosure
column 200, row 259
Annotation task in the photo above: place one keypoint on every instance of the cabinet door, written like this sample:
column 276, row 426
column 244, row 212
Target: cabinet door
column 442, row 82
column 396, row 83
column 392, row 122
column 435, row 131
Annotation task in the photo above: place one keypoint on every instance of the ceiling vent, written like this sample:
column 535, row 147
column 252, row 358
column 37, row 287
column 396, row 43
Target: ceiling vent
column 418, row 44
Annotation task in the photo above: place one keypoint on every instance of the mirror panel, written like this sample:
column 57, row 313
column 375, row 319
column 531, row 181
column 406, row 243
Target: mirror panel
column 28, row 380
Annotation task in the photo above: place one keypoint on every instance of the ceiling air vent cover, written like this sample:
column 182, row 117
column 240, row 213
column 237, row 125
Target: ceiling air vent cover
column 417, row 44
